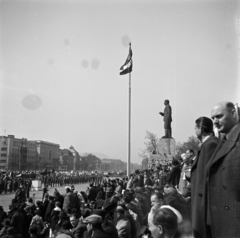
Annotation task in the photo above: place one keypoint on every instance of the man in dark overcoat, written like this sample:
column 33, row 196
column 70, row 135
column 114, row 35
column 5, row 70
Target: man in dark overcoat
column 204, row 132
column 223, row 175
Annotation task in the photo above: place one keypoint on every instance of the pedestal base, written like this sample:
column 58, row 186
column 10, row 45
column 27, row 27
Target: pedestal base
column 167, row 146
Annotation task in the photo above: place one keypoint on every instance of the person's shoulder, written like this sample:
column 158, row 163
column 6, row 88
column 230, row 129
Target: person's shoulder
column 210, row 142
column 212, row 139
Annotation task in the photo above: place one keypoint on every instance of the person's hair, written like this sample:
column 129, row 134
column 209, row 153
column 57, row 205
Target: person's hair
column 33, row 229
column 166, row 218
column 121, row 211
column 86, row 213
column 57, row 204
column 176, row 201
column 68, row 190
column 74, row 210
column 158, row 195
column 127, row 198
column 38, row 212
column 38, row 203
column 191, row 151
column 122, row 204
column 66, row 225
column 205, row 124
column 75, row 215
column 230, row 106
column 51, row 198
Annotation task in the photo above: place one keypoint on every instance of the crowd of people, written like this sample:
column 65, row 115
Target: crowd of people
column 198, row 195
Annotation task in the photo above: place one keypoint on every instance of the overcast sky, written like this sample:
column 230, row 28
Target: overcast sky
column 60, row 65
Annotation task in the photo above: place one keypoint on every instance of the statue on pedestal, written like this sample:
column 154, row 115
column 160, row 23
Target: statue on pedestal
column 167, row 118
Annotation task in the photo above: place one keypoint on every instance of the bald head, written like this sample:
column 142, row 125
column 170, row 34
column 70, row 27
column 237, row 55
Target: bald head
column 224, row 116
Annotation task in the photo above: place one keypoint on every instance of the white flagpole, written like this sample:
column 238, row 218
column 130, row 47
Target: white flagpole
column 129, row 130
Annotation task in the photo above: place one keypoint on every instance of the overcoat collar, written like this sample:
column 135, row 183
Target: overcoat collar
column 195, row 161
column 224, row 149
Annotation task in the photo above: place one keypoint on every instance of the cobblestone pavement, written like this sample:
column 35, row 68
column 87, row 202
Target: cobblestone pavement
column 5, row 200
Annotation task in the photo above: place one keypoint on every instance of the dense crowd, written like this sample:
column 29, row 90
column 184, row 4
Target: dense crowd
column 112, row 207
column 197, row 195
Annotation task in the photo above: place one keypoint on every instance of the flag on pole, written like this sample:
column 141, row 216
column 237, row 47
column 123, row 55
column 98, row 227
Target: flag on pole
column 127, row 66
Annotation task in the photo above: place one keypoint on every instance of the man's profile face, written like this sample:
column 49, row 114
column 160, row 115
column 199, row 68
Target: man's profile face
column 188, row 153
column 74, row 221
column 222, row 119
column 155, row 200
column 198, row 131
column 154, row 229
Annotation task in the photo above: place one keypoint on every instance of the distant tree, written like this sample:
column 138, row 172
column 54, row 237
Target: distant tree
column 150, row 145
column 91, row 162
column 191, row 143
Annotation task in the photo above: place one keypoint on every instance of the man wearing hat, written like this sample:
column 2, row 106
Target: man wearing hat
column 78, row 227
column 122, row 224
column 94, row 227
column 107, row 224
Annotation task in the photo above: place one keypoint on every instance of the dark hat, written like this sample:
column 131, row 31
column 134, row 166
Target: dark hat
column 63, row 214
column 99, row 212
column 93, row 219
column 6, row 223
column 108, row 206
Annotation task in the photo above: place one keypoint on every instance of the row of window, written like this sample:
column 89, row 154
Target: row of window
column 4, row 149
column 19, row 144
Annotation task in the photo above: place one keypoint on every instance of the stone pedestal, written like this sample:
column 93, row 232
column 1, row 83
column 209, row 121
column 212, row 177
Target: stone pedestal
column 36, row 185
column 166, row 151
column 167, row 146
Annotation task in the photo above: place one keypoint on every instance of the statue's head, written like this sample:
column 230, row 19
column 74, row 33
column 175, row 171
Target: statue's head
column 166, row 102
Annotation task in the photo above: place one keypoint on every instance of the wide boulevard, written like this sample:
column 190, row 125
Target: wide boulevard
column 5, row 199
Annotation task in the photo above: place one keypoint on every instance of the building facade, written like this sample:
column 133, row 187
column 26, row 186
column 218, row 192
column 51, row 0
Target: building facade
column 17, row 154
column 47, row 154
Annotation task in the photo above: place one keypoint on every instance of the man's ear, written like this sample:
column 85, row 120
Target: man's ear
column 160, row 228
column 234, row 113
